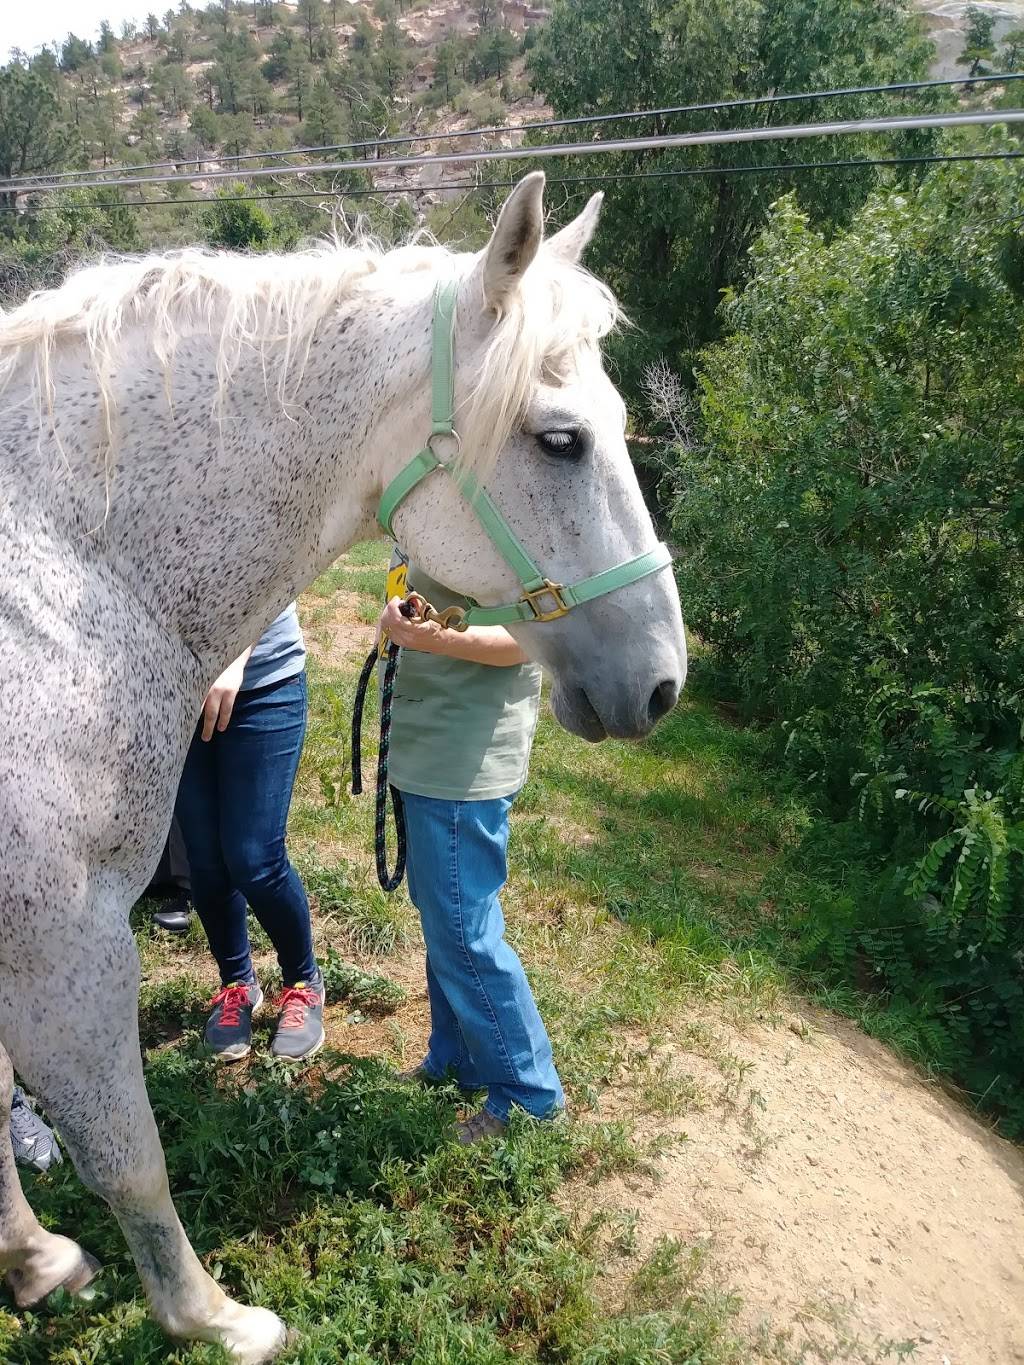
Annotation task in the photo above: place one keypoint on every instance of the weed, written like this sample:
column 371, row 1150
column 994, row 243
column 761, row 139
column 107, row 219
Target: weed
column 373, row 923
column 367, row 992
column 666, row 1274
column 168, row 1008
column 661, row 1089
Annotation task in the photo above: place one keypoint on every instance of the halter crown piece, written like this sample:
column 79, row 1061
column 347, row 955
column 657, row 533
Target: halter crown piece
column 542, row 600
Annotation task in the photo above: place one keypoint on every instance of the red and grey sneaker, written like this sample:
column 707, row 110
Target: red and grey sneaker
column 229, row 1027
column 300, row 1024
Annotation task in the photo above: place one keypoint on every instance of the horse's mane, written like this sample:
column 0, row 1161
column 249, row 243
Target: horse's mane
column 275, row 302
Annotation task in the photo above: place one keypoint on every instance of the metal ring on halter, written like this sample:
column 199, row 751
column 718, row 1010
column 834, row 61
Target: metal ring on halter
column 452, row 435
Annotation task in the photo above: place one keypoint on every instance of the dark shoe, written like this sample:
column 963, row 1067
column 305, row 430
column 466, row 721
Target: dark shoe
column 479, row 1126
column 229, row 1027
column 300, row 1024
column 34, row 1143
column 174, row 914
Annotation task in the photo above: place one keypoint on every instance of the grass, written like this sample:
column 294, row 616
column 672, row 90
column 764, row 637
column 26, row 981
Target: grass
column 334, row 1195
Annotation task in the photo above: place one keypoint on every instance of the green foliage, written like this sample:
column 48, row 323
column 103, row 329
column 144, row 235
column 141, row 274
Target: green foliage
column 366, row 991
column 75, row 53
column 33, row 136
column 852, row 524
column 979, row 46
column 325, row 122
column 68, row 226
column 1011, row 52
column 237, row 223
column 670, row 246
column 348, row 1207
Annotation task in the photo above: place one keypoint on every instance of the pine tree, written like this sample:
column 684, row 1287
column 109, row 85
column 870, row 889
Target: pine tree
column 324, row 121
column 300, row 78
column 978, row 45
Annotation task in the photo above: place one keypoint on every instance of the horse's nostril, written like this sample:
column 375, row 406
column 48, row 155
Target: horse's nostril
column 663, row 698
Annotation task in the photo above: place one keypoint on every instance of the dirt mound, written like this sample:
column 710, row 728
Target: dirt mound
column 855, row 1208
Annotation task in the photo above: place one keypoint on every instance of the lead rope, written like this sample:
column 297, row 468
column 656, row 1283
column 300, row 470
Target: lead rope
column 390, row 881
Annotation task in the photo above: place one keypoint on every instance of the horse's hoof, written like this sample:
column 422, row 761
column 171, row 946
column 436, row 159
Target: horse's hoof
column 82, row 1281
column 60, row 1265
column 256, row 1335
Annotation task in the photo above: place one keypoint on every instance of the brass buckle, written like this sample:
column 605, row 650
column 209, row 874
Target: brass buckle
column 452, row 618
column 552, row 590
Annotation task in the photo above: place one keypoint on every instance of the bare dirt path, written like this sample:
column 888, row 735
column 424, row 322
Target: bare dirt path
column 853, row 1206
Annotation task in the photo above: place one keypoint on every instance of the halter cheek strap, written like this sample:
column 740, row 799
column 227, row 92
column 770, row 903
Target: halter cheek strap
column 542, row 600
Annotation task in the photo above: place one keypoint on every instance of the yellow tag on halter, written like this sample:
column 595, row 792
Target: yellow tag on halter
column 395, row 586
column 398, row 577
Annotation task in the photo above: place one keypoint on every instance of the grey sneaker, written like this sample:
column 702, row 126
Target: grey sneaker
column 300, row 1023
column 229, row 1027
column 34, row 1143
column 479, row 1126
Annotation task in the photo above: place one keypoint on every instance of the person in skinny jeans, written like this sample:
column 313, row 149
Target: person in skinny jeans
column 464, row 713
column 232, row 808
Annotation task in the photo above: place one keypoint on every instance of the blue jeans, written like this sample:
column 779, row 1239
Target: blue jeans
column 485, row 1026
column 232, row 808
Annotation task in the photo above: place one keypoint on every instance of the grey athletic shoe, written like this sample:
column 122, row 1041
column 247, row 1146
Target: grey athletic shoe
column 479, row 1126
column 229, row 1027
column 34, row 1143
column 300, row 1023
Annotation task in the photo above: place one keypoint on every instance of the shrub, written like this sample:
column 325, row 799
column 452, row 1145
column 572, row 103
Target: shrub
column 852, row 517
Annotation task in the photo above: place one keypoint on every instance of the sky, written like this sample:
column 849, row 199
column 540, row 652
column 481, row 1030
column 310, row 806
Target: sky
column 29, row 24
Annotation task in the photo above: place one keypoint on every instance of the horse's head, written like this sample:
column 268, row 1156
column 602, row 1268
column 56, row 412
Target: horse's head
column 543, row 427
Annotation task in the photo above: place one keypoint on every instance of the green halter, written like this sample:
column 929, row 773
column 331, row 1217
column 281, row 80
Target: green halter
column 542, row 600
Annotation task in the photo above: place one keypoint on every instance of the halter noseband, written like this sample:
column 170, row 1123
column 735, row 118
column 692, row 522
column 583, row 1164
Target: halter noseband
column 542, row 600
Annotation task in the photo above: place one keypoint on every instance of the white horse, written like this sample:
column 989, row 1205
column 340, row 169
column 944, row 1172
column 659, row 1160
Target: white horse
column 188, row 440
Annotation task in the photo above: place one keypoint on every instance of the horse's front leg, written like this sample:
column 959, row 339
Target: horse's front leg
column 80, row 1054
column 33, row 1261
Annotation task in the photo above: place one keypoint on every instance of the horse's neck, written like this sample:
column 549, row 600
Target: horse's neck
column 217, row 524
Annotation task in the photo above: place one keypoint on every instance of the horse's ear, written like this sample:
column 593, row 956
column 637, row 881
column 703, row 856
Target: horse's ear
column 514, row 243
column 571, row 241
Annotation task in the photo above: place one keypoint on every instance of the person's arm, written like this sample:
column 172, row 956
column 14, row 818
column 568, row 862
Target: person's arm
column 478, row 645
column 220, row 700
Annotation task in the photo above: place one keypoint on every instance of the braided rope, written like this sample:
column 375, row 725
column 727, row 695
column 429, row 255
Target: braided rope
column 390, row 881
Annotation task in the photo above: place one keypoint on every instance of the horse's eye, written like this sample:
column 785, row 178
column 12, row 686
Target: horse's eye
column 564, row 444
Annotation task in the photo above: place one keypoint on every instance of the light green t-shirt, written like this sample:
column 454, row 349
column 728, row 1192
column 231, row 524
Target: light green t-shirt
column 459, row 731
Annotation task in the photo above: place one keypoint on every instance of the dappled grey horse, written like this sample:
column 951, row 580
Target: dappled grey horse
column 188, row 440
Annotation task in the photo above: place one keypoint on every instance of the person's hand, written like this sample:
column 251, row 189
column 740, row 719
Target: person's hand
column 408, row 631
column 220, row 700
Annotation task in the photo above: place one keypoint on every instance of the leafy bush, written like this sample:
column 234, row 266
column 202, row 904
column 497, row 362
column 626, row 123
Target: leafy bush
column 852, row 516
column 67, row 228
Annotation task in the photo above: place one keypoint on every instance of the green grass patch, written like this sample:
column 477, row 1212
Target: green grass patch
column 347, row 1208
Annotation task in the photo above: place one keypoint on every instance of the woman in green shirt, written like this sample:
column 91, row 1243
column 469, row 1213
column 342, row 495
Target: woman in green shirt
column 463, row 718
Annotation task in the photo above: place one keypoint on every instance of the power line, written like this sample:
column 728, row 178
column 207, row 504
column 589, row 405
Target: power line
column 469, row 187
column 547, row 124
column 664, row 142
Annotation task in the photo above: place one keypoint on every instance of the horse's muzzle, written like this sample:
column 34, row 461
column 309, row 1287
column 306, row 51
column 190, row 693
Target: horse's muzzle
column 629, row 715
